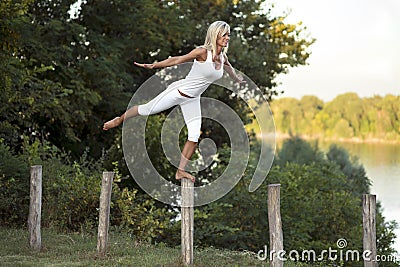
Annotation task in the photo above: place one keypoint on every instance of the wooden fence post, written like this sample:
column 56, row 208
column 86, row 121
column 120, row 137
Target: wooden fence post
column 35, row 208
column 369, row 229
column 275, row 225
column 187, row 221
column 104, row 213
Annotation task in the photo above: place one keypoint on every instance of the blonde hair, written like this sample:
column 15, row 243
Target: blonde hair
column 216, row 28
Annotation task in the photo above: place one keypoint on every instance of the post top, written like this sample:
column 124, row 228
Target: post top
column 274, row 185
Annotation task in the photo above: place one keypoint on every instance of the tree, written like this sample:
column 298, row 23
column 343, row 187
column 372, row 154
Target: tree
column 346, row 117
column 296, row 150
column 71, row 74
column 81, row 71
column 310, row 106
column 357, row 177
column 287, row 115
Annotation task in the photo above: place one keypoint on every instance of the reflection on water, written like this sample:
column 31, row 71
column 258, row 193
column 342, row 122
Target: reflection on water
column 382, row 164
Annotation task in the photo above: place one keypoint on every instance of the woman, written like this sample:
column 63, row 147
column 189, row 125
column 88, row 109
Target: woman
column 209, row 62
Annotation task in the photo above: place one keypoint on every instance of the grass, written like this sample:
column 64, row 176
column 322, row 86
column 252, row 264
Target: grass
column 77, row 249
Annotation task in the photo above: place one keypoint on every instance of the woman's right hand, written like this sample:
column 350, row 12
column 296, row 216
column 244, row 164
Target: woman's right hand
column 146, row 66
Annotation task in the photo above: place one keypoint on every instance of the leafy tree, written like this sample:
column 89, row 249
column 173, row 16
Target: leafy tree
column 72, row 73
column 296, row 150
column 44, row 99
column 288, row 115
column 342, row 129
column 346, row 117
column 14, row 191
column 310, row 106
column 355, row 172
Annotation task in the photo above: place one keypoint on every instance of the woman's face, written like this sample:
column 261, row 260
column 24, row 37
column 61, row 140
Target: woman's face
column 223, row 39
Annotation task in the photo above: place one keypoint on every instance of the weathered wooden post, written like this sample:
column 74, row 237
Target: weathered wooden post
column 369, row 229
column 187, row 221
column 35, row 208
column 104, row 214
column 275, row 225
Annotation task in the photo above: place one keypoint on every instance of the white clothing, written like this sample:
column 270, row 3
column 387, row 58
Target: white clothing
column 190, row 109
column 201, row 75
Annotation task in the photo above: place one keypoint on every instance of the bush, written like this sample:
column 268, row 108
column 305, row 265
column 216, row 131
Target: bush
column 14, row 188
column 140, row 215
column 70, row 194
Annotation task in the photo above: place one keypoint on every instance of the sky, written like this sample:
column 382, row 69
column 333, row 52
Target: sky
column 357, row 48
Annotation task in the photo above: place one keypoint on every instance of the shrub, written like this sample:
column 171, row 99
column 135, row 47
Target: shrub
column 71, row 192
column 14, row 188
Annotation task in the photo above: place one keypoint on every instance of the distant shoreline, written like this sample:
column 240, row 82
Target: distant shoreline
column 358, row 140
column 347, row 118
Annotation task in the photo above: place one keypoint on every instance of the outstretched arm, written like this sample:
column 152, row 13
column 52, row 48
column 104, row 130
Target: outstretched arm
column 231, row 71
column 172, row 61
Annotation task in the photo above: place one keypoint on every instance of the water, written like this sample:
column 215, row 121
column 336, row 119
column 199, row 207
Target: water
column 382, row 164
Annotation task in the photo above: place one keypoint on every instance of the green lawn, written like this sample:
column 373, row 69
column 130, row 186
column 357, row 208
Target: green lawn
column 59, row 249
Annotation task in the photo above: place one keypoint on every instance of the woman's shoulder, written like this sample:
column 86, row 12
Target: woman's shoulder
column 201, row 53
column 201, row 49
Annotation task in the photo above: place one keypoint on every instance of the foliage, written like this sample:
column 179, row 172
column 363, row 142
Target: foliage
column 64, row 75
column 312, row 195
column 295, row 150
column 14, row 187
column 70, row 194
column 385, row 235
column 320, row 203
column 357, row 179
column 346, row 117
column 144, row 219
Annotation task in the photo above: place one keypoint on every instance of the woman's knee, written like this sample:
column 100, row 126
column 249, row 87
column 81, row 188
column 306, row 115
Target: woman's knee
column 144, row 110
column 193, row 137
column 194, row 127
column 194, row 132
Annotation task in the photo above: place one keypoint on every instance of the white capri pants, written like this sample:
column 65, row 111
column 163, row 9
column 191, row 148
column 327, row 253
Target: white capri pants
column 190, row 107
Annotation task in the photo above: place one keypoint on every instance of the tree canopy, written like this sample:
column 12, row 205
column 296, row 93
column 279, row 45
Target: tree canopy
column 346, row 117
column 65, row 70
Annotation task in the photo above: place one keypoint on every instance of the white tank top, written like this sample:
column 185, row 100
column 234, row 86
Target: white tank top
column 200, row 76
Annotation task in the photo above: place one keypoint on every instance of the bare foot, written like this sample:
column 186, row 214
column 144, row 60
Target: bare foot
column 112, row 123
column 182, row 174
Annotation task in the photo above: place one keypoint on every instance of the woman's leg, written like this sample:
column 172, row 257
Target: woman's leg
column 186, row 154
column 191, row 111
column 163, row 101
column 130, row 113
